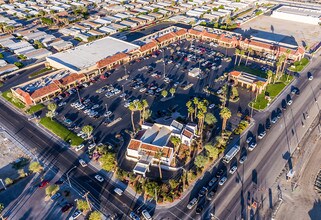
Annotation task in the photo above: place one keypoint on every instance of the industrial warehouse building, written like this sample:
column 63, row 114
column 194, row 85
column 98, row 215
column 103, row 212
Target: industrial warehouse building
column 297, row 14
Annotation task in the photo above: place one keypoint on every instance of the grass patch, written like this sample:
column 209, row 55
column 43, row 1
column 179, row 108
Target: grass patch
column 252, row 71
column 273, row 90
column 35, row 108
column 61, row 131
column 16, row 102
column 298, row 66
column 39, row 72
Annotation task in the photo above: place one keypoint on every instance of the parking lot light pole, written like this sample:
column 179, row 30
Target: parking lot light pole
column 78, row 95
column 67, row 174
column 164, row 62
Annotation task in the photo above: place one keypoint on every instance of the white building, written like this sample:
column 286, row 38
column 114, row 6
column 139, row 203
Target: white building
column 155, row 138
column 296, row 14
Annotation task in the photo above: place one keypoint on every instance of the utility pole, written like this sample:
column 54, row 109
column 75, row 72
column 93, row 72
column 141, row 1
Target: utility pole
column 86, row 197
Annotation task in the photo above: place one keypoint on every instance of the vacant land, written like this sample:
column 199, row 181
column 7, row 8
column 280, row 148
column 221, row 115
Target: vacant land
column 282, row 31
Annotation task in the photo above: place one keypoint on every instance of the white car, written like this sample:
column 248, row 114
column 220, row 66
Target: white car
column 62, row 104
column 79, row 147
column 82, row 163
column 211, row 106
column 76, row 214
column 92, row 146
column 80, row 133
column 99, row 178
column 222, row 181
column 118, row 191
column 192, row 203
column 146, row 215
column 233, row 170
column 95, row 106
column 142, row 90
column 107, row 114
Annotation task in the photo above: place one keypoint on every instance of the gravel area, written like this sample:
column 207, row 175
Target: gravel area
column 9, row 153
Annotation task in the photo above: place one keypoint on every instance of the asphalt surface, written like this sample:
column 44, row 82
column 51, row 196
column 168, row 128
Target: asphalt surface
column 267, row 160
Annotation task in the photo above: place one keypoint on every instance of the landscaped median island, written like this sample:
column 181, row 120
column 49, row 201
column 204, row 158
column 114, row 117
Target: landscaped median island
column 34, row 74
column 272, row 91
column 299, row 65
column 15, row 101
column 61, row 131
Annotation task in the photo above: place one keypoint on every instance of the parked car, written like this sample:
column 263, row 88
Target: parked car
column 203, row 192
column 243, row 159
column 233, row 169
column 107, row 114
column 76, row 214
column 82, row 163
column 43, row 183
column 248, row 140
column 210, row 195
column 99, row 178
column 55, row 196
column 133, row 216
column 192, row 203
column 211, row 106
column 118, row 191
column 79, row 147
column 199, row 209
column 146, row 215
column 67, row 207
column 252, row 145
column 211, row 183
column 222, row 181
column 262, row 134
column 219, row 173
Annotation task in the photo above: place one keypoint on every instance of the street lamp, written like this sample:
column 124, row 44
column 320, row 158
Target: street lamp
column 78, row 95
column 67, row 174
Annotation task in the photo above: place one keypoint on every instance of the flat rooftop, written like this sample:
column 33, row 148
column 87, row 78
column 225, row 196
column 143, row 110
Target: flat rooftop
column 89, row 54
column 300, row 11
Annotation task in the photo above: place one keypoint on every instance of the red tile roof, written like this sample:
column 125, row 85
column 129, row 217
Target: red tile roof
column 166, row 37
column 112, row 59
column 167, row 152
column 25, row 95
column 149, row 147
column 210, row 35
column 46, row 90
column 181, row 32
column 71, row 78
column 194, row 32
column 187, row 133
column 235, row 73
column 134, row 144
column 148, row 46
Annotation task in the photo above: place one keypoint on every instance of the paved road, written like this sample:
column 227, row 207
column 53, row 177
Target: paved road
column 264, row 164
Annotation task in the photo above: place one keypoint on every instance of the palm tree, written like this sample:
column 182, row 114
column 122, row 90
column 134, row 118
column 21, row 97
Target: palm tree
column 144, row 104
column 241, row 54
column 158, row 156
column 287, row 53
column 190, row 109
column 164, row 93
column 88, row 130
column 225, row 114
column 269, row 75
column 9, row 29
column 195, row 101
column 133, row 107
column 237, row 53
column 259, row 85
column 249, row 51
column 278, row 65
column 176, row 141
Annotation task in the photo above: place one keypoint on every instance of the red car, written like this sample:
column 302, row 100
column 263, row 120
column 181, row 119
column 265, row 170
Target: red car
column 43, row 183
column 67, row 207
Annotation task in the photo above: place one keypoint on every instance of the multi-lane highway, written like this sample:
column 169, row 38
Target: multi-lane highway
column 262, row 166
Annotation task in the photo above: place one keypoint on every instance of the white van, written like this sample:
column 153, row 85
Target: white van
column 146, row 215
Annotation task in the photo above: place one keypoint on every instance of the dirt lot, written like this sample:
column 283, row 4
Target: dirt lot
column 282, row 31
column 9, row 152
column 304, row 202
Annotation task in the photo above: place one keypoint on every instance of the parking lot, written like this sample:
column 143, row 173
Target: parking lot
column 145, row 79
